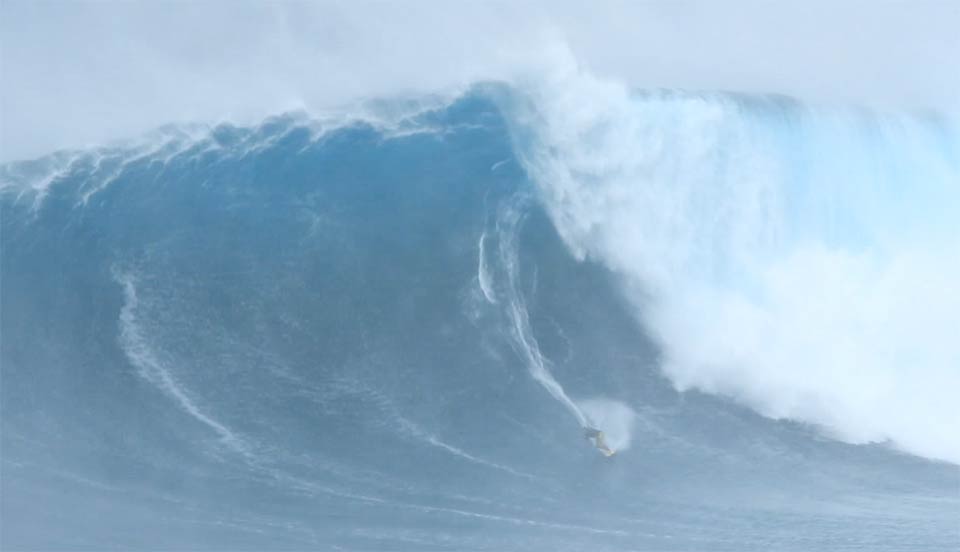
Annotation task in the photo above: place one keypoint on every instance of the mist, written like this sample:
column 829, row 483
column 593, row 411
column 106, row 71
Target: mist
column 77, row 74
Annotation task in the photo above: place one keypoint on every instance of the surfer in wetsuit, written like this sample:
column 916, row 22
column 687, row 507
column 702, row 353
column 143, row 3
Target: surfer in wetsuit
column 596, row 436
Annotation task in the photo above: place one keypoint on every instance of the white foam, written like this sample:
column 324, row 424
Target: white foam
column 801, row 260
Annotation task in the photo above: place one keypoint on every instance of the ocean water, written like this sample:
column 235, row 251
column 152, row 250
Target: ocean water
column 386, row 332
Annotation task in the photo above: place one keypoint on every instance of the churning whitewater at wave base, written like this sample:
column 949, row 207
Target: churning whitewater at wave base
column 391, row 334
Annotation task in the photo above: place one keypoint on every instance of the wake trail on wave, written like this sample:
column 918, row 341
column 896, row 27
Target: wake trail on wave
column 508, row 225
column 612, row 417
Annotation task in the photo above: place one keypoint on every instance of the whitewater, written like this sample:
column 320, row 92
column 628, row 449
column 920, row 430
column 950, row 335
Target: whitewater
column 386, row 329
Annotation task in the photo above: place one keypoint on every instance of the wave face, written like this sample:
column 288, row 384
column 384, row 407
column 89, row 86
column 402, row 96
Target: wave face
column 388, row 336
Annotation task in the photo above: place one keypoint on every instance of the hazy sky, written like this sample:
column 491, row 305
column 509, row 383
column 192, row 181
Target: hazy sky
column 76, row 73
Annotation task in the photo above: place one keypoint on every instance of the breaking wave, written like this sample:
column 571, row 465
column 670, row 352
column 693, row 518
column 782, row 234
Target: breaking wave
column 388, row 330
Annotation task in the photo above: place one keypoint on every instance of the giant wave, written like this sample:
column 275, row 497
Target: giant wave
column 386, row 333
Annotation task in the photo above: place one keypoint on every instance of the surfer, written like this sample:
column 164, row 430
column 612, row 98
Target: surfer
column 596, row 437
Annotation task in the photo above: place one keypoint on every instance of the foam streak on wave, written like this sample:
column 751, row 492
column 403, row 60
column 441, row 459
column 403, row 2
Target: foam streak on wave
column 435, row 441
column 483, row 273
column 151, row 368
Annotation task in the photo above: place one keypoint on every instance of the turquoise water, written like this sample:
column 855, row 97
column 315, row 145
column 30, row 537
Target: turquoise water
column 386, row 337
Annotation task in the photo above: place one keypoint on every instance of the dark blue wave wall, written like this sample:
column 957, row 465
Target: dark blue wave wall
column 270, row 338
